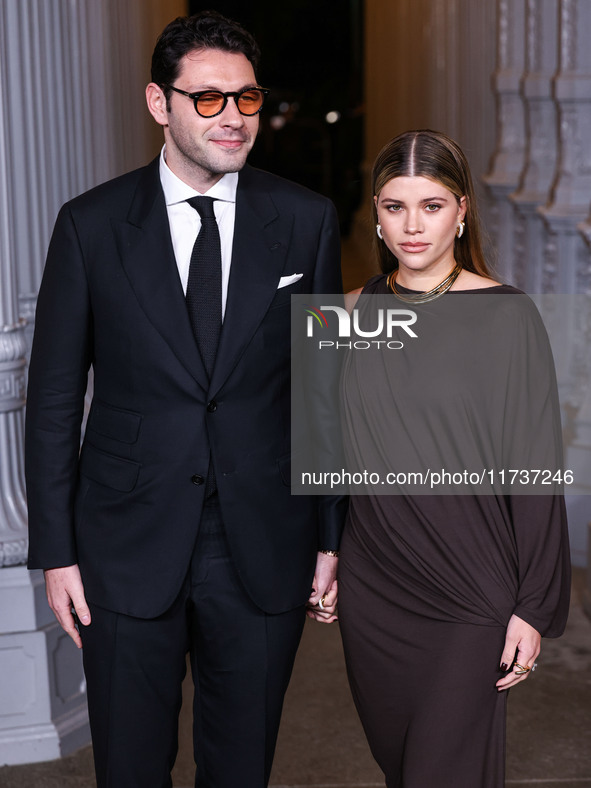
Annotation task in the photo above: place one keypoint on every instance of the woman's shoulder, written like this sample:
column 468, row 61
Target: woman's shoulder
column 469, row 281
column 351, row 299
column 377, row 284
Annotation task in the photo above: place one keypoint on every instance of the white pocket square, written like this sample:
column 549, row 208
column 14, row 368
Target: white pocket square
column 288, row 280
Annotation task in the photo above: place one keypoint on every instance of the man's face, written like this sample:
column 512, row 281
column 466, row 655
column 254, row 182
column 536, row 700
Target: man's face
column 200, row 150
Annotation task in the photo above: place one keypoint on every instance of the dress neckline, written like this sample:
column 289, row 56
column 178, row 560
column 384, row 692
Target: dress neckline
column 404, row 289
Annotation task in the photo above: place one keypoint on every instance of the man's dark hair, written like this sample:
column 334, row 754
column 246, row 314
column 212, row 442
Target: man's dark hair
column 205, row 30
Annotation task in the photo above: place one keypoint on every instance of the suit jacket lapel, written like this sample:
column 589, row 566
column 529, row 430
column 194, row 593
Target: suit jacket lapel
column 261, row 241
column 147, row 256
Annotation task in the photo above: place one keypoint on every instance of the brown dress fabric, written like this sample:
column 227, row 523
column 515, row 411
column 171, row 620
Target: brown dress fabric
column 427, row 583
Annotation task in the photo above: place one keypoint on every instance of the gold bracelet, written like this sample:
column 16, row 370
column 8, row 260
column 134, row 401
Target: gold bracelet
column 333, row 553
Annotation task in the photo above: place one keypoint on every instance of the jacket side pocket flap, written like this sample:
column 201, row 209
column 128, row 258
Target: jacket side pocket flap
column 114, row 472
column 120, row 425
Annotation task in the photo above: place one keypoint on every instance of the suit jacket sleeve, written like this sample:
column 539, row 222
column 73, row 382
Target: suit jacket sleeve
column 331, row 508
column 60, row 360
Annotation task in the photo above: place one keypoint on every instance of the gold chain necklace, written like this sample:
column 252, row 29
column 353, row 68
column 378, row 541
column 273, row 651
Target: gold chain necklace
column 423, row 298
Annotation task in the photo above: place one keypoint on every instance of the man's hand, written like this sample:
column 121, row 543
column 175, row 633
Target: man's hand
column 524, row 639
column 65, row 590
column 322, row 603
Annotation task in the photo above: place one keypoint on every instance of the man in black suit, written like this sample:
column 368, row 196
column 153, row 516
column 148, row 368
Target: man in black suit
column 174, row 530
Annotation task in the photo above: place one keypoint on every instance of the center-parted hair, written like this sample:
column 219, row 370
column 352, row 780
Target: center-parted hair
column 205, row 30
column 433, row 155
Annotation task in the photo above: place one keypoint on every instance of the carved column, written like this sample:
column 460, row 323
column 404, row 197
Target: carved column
column 13, row 515
column 542, row 142
column 582, row 439
column 567, row 258
column 42, row 698
column 585, row 226
column 509, row 156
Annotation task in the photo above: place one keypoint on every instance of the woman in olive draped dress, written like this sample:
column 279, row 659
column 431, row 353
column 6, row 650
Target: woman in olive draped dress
column 443, row 599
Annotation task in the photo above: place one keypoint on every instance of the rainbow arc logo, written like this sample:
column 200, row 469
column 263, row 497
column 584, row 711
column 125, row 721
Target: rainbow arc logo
column 316, row 313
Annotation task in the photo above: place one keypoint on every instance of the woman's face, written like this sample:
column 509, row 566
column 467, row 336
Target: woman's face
column 419, row 218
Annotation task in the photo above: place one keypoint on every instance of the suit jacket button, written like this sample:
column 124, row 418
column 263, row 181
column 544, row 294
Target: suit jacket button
column 212, row 406
column 196, row 479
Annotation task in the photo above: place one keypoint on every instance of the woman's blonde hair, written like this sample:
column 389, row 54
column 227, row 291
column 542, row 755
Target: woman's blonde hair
column 432, row 155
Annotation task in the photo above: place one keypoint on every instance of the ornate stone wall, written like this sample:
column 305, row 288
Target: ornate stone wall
column 540, row 187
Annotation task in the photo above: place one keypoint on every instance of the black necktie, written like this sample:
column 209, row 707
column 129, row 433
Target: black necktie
column 204, row 286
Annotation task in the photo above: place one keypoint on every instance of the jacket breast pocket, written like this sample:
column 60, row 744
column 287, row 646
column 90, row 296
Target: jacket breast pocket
column 114, row 472
column 283, row 295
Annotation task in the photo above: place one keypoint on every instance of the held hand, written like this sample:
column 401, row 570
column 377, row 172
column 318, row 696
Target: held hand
column 323, row 599
column 65, row 590
column 524, row 639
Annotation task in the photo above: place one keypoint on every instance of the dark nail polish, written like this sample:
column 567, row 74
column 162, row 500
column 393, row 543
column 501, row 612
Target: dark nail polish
column 504, row 667
column 313, row 591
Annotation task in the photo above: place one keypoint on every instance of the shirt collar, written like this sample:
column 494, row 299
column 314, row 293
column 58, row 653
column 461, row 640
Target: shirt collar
column 177, row 191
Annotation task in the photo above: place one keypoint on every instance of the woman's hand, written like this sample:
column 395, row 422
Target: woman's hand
column 524, row 639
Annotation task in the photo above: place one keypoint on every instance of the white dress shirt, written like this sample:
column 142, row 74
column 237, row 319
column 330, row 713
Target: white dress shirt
column 185, row 222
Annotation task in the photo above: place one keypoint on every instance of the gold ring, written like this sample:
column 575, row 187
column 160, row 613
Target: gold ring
column 522, row 669
column 321, row 602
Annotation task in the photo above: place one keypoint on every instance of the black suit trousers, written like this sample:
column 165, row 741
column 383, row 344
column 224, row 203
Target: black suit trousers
column 241, row 661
